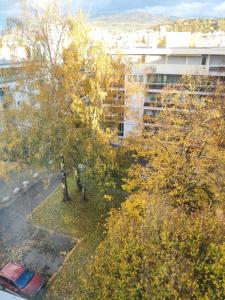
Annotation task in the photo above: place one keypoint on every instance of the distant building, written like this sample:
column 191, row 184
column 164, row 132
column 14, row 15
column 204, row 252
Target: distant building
column 11, row 57
column 154, row 69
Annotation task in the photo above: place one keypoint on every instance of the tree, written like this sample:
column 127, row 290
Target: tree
column 63, row 84
column 167, row 240
column 184, row 162
column 153, row 251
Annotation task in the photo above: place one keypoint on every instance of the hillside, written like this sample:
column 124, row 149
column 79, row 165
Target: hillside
column 133, row 20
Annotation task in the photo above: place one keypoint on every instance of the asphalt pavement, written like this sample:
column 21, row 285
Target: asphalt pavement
column 23, row 242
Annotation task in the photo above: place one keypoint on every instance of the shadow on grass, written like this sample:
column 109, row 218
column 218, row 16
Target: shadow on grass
column 80, row 220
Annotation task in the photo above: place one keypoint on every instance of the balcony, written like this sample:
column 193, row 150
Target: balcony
column 153, row 104
column 7, row 79
column 178, row 69
column 217, row 70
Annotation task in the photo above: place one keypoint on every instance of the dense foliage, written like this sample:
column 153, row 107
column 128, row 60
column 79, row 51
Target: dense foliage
column 196, row 25
column 184, row 161
column 168, row 239
column 155, row 252
column 63, row 86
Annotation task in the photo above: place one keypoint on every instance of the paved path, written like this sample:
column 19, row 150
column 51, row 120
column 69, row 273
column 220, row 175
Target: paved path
column 25, row 243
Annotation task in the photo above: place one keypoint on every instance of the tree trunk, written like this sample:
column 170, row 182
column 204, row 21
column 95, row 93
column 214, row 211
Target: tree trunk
column 79, row 184
column 64, row 181
column 83, row 194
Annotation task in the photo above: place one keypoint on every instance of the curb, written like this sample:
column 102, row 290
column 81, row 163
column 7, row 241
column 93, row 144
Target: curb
column 34, row 210
column 14, row 197
column 78, row 241
column 69, row 254
column 54, row 231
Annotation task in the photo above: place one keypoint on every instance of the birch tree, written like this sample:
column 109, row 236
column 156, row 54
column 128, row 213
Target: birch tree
column 63, row 84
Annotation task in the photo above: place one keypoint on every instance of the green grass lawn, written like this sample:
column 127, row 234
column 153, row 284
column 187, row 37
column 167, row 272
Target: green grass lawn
column 82, row 220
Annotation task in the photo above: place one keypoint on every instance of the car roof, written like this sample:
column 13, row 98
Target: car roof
column 7, row 296
column 12, row 271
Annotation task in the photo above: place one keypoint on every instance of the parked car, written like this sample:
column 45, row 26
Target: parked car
column 7, row 296
column 20, row 281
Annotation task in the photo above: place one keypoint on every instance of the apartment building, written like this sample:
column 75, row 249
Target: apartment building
column 8, row 73
column 155, row 68
column 11, row 58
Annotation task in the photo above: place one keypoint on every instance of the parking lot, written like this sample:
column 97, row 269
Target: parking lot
column 22, row 242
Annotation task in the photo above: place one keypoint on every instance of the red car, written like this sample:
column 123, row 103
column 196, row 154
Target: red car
column 19, row 280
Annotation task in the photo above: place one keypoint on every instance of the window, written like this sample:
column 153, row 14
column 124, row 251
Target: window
column 12, row 284
column 217, row 60
column 130, row 78
column 152, row 96
column 194, row 60
column 1, row 96
column 155, row 59
column 121, row 129
column 151, row 113
column 140, row 78
column 24, row 279
column 204, row 60
column 143, row 59
column 156, row 78
column 172, row 78
column 160, row 78
column 151, row 78
column 4, row 279
column 136, row 78
column 153, row 100
column 176, row 60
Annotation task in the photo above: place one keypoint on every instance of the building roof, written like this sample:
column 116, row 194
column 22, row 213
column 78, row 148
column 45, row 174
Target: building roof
column 169, row 51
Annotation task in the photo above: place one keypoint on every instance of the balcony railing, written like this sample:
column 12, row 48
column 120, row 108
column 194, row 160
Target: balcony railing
column 7, row 79
column 219, row 69
column 153, row 104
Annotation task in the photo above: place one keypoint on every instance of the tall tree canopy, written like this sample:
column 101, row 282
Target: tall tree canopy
column 153, row 251
column 63, row 85
column 184, row 162
column 168, row 239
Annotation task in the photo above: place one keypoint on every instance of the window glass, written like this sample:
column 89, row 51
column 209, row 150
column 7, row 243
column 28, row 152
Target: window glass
column 160, row 78
column 1, row 96
column 12, row 284
column 3, row 279
column 204, row 59
column 152, row 96
column 193, row 60
column 156, row 78
column 176, row 60
column 130, row 78
column 24, row 279
column 121, row 129
column 172, row 78
column 152, row 113
column 151, row 78
column 136, row 78
column 140, row 78
column 155, row 59
column 217, row 60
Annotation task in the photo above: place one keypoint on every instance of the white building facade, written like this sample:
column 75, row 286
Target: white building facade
column 156, row 68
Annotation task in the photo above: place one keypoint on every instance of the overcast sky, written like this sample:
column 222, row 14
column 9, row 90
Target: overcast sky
column 183, row 8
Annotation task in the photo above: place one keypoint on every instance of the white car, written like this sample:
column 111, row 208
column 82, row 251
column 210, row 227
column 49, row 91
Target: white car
column 7, row 296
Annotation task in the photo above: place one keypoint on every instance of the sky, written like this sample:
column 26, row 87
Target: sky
column 183, row 8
